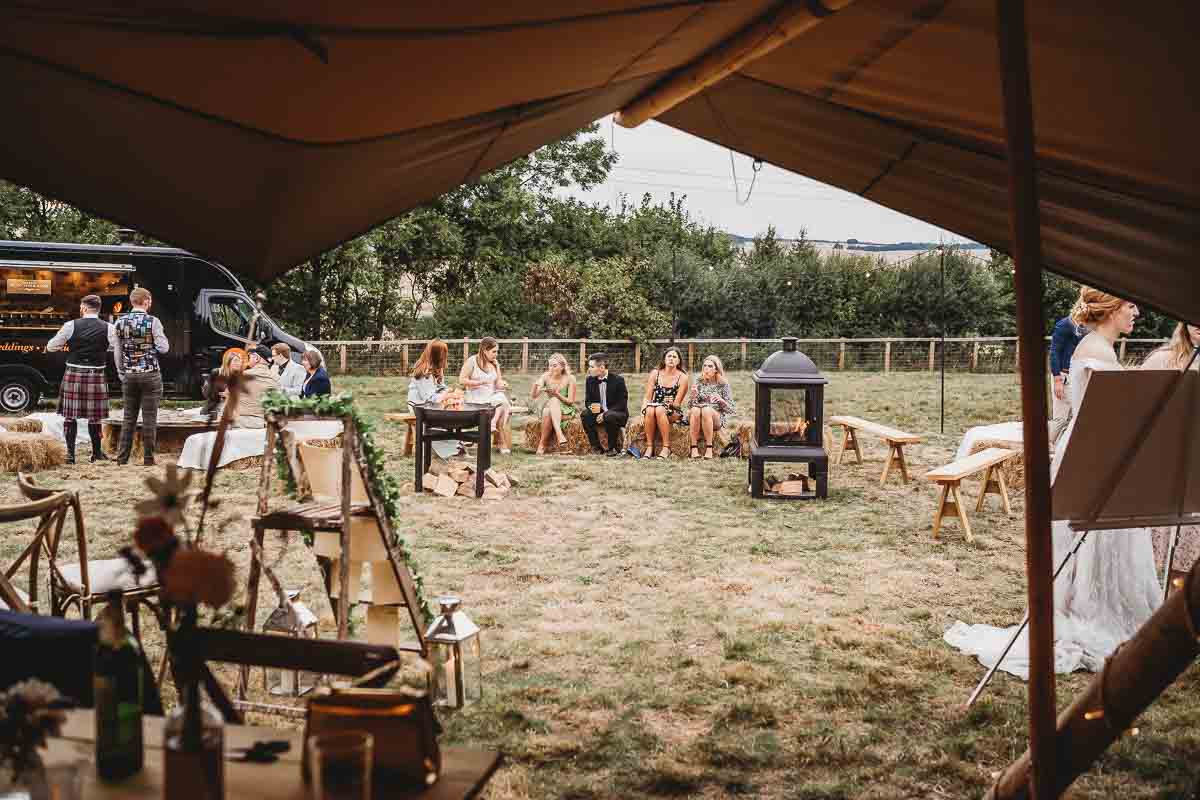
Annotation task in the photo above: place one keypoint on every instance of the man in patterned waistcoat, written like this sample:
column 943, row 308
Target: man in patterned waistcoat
column 140, row 340
column 84, row 389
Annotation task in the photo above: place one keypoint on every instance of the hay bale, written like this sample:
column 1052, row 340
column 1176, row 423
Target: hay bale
column 577, row 441
column 21, row 425
column 1014, row 468
column 249, row 463
column 681, row 442
column 31, row 452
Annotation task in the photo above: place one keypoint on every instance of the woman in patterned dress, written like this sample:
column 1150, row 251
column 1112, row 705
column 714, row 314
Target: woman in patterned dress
column 711, row 405
column 665, row 391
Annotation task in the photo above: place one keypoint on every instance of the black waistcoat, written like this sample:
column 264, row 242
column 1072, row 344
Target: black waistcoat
column 88, row 343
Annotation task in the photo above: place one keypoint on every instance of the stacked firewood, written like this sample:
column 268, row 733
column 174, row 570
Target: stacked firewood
column 459, row 479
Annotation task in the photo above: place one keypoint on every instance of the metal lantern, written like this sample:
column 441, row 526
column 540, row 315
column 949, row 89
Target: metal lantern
column 454, row 650
column 291, row 618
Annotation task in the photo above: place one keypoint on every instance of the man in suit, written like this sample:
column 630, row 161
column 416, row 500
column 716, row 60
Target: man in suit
column 605, row 402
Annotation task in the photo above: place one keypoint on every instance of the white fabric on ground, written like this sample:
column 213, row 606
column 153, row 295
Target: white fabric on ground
column 247, row 442
column 1010, row 431
column 53, row 423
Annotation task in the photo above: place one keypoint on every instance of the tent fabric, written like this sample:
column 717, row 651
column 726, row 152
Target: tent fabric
column 260, row 134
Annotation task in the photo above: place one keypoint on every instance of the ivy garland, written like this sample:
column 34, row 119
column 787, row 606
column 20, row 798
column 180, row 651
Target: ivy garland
column 385, row 485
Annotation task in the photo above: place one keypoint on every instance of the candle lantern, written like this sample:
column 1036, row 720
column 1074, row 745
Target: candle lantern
column 291, row 618
column 454, row 650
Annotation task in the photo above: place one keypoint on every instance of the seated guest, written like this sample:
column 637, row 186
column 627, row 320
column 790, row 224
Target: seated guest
column 606, row 402
column 553, row 397
column 257, row 379
column 480, row 376
column 232, row 363
column 317, row 383
column 710, row 405
column 427, row 387
column 291, row 374
column 665, row 391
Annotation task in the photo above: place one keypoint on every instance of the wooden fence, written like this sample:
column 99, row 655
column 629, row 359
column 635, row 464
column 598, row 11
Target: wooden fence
column 522, row 356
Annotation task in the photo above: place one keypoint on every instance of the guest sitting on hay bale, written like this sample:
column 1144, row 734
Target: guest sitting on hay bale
column 480, row 376
column 257, row 379
column 84, row 389
column 553, row 399
column 215, row 391
column 291, row 374
column 606, row 402
column 317, row 383
column 710, row 405
column 427, row 387
column 662, row 405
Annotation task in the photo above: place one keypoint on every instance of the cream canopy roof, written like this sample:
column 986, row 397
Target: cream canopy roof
column 261, row 133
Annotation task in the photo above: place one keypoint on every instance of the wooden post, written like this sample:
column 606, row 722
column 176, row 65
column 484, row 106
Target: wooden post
column 268, row 466
column 342, row 358
column 1026, row 238
column 466, row 349
column 343, row 577
column 1017, row 356
column 974, row 355
column 932, row 353
column 842, row 354
column 691, row 355
column 1123, row 341
column 404, row 358
column 743, row 354
column 525, row 355
column 887, row 356
column 582, row 356
column 637, row 357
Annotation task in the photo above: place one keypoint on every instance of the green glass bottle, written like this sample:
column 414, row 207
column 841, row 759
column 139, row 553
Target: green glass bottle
column 117, row 685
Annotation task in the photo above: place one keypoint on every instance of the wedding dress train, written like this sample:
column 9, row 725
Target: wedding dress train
column 1107, row 591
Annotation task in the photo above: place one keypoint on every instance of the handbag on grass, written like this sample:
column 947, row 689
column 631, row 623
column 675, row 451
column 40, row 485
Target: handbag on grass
column 401, row 721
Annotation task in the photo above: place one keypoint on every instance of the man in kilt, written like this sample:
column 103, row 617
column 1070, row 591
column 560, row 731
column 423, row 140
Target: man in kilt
column 84, row 389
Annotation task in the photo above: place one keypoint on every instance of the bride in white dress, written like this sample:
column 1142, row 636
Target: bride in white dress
column 1111, row 586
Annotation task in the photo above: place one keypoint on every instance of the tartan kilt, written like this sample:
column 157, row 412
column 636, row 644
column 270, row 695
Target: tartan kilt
column 83, row 394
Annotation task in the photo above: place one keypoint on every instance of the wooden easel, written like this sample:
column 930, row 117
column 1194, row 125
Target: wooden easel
column 315, row 517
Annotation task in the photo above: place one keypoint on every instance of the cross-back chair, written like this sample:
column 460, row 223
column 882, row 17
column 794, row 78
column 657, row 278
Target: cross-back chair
column 85, row 582
column 50, row 510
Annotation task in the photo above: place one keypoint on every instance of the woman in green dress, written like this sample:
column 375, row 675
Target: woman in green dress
column 553, row 398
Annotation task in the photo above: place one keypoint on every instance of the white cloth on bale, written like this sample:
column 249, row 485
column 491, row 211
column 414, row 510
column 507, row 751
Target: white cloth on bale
column 1102, row 597
column 1005, row 431
column 53, row 424
column 247, row 442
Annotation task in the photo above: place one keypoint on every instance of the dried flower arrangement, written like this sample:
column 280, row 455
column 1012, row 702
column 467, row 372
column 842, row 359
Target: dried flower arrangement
column 30, row 712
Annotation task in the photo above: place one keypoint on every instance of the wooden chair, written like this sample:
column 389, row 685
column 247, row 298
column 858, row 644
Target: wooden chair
column 86, row 582
column 50, row 512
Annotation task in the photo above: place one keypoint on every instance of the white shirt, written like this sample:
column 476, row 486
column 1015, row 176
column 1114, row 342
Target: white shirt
column 291, row 380
column 59, row 340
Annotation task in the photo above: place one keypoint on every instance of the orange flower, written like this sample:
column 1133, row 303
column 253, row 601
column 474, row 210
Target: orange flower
column 195, row 576
column 152, row 535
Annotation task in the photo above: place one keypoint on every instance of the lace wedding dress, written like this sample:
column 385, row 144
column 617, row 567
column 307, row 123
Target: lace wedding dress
column 1105, row 593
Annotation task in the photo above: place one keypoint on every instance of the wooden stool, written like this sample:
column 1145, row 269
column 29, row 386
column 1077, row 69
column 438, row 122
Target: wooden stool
column 410, row 431
column 990, row 462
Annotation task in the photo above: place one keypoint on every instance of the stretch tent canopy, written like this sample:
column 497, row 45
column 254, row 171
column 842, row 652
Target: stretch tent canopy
column 261, row 133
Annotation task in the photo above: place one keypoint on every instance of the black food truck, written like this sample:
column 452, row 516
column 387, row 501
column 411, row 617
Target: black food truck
column 204, row 310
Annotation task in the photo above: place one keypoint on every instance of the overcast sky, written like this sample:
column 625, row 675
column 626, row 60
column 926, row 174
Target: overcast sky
column 657, row 159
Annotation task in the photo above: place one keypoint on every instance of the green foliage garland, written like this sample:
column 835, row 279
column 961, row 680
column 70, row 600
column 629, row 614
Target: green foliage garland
column 384, row 485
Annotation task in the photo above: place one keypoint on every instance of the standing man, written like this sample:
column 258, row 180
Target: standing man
column 140, row 340
column 84, row 389
column 291, row 374
column 1062, row 346
column 605, row 402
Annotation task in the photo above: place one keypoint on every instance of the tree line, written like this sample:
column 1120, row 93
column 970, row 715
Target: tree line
column 511, row 256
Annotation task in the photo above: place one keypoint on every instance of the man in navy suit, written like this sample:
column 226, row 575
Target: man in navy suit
column 605, row 402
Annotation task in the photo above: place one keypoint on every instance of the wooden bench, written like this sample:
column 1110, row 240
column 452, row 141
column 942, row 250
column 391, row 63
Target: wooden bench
column 896, row 440
column 410, row 421
column 990, row 462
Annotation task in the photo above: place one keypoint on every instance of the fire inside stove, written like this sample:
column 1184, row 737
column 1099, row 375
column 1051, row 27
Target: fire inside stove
column 792, row 432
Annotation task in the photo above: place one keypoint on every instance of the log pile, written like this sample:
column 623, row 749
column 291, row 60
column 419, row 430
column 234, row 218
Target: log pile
column 458, row 480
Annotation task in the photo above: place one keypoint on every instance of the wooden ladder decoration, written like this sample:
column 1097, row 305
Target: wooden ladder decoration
column 313, row 516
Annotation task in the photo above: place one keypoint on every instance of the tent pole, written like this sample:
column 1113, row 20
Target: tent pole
column 1025, row 232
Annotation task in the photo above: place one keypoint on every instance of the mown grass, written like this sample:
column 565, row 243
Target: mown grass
column 650, row 631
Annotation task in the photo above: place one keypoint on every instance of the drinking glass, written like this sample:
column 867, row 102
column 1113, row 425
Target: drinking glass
column 341, row 765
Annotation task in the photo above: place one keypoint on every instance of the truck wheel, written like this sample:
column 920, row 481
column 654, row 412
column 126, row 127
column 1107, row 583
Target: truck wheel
column 17, row 395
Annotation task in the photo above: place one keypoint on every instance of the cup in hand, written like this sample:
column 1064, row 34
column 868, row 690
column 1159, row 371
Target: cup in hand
column 341, row 765
column 595, row 407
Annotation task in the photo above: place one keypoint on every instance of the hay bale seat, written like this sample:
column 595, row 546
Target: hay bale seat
column 577, row 442
column 31, row 452
column 21, row 425
column 1013, row 468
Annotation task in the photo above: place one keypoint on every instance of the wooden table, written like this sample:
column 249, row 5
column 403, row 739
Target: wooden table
column 464, row 770
column 174, row 427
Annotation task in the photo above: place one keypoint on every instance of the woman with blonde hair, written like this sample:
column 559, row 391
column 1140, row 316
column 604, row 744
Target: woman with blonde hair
column 553, row 397
column 480, row 376
column 710, row 405
column 665, row 390
column 1110, row 587
column 1176, row 353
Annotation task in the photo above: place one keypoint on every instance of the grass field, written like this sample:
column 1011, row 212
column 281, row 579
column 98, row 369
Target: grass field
column 651, row 631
